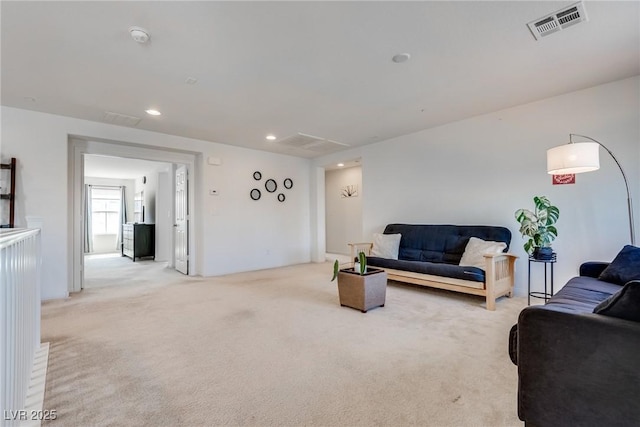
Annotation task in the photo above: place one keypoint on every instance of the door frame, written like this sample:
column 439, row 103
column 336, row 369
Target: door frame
column 176, row 220
column 78, row 147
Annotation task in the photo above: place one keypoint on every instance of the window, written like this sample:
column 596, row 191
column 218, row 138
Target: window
column 105, row 210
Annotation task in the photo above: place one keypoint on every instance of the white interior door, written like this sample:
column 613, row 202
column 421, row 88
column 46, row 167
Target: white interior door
column 181, row 225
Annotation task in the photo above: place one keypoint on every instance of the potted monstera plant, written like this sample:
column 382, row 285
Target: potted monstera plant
column 538, row 226
column 360, row 287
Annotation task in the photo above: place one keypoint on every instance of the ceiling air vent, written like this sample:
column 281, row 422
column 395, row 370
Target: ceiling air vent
column 311, row 144
column 558, row 20
column 120, row 119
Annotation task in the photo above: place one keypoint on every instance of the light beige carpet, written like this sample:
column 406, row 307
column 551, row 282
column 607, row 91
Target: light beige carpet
column 102, row 270
column 274, row 348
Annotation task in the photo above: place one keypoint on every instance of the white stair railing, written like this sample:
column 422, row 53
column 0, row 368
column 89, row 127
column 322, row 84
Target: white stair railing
column 19, row 320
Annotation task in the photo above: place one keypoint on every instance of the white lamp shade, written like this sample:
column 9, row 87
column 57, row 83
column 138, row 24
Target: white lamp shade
column 573, row 158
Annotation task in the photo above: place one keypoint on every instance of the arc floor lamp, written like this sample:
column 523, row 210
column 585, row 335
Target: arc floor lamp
column 578, row 157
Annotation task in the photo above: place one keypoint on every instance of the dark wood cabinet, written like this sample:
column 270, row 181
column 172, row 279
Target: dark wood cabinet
column 9, row 193
column 139, row 240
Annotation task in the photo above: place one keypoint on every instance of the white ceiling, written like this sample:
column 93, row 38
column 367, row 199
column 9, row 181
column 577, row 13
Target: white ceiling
column 120, row 168
column 320, row 68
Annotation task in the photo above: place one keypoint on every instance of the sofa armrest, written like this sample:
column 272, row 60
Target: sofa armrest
column 356, row 248
column 499, row 276
column 592, row 268
column 500, row 265
column 577, row 368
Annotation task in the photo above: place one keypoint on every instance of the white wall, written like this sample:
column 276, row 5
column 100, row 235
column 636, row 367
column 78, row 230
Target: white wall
column 150, row 188
column 480, row 170
column 343, row 214
column 263, row 233
column 233, row 233
column 163, row 214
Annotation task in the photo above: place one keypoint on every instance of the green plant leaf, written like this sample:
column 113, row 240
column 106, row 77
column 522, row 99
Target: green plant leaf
column 525, row 215
column 553, row 213
column 542, row 216
column 336, row 269
column 362, row 259
column 528, row 246
column 538, row 240
column 541, row 202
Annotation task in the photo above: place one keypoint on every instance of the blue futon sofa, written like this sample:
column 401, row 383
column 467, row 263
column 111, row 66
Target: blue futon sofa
column 429, row 255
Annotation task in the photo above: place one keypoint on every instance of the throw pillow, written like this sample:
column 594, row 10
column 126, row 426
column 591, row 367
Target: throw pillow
column 624, row 267
column 624, row 304
column 473, row 255
column 386, row 245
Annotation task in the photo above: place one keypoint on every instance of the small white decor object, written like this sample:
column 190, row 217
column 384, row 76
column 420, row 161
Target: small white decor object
column 386, row 245
column 476, row 248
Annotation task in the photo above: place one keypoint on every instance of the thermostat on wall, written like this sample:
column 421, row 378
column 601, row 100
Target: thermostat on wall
column 213, row 192
column 216, row 161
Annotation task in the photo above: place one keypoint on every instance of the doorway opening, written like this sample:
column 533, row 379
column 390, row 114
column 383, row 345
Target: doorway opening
column 118, row 190
column 120, row 195
column 340, row 209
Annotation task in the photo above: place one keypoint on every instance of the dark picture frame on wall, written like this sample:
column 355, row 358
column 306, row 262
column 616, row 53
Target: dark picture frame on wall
column 271, row 186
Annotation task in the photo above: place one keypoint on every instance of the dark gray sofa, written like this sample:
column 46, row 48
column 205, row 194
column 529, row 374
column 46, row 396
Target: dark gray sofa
column 576, row 367
column 429, row 255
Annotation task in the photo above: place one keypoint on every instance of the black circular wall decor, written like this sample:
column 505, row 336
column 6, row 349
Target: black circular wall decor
column 281, row 197
column 257, row 175
column 255, row 194
column 271, row 185
column 288, row 183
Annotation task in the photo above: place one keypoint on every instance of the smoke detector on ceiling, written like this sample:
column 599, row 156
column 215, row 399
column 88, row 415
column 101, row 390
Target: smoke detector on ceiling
column 139, row 34
column 558, row 20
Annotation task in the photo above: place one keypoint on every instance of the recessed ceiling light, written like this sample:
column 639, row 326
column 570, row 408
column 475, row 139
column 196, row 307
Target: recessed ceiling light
column 271, row 137
column 340, row 165
column 401, row 57
column 153, row 112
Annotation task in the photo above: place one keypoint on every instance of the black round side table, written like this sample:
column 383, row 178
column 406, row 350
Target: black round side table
column 546, row 294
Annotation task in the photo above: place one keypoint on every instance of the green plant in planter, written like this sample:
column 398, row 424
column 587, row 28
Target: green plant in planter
column 538, row 226
column 362, row 260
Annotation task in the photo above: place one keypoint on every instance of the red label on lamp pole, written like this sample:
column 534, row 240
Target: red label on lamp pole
column 569, row 178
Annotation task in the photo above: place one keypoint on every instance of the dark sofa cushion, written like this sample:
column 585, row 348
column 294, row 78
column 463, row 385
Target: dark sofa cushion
column 593, row 268
column 583, row 294
column 435, row 268
column 442, row 243
column 624, row 304
column 624, row 268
